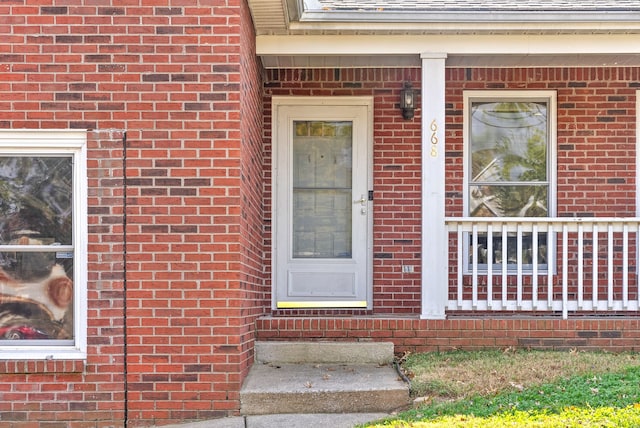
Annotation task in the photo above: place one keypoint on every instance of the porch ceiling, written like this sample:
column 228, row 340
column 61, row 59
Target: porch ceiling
column 493, row 61
column 478, row 33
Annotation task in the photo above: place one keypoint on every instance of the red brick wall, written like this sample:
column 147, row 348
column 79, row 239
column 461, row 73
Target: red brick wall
column 596, row 146
column 252, row 279
column 177, row 79
column 396, row 175
column 70, row 393
column 415, row 335
column 170, row 75
column 595, row 152
column 596, row 133
column 196, row 225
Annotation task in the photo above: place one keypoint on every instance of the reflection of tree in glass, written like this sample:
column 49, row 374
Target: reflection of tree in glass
column 36, row 195
column 524, row 201
column 509, row 161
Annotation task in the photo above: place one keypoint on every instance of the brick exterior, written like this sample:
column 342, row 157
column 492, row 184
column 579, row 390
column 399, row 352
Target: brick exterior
column 595, row 154
column 73, row 393
column 596, row 143
column 251, row 283
column 396, row 175
column 185, row 85
column 596, row 133
column 182, row 85
column 414, row 335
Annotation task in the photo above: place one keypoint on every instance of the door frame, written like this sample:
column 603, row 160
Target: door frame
column 278, row 151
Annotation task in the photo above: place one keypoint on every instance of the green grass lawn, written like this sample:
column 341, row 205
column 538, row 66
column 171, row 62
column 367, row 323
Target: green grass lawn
column 522, row 388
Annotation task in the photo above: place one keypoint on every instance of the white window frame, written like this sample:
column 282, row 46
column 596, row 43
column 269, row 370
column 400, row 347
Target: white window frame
column 56, row 142
column 552, row 155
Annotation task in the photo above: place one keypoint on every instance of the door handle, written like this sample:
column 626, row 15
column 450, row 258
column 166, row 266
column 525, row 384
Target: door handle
column 362, row 201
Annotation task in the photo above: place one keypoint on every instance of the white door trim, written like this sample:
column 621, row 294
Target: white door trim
column 278, row 209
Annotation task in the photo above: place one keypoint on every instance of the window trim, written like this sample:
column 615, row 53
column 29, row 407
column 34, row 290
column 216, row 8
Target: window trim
column 552, row 155
column 73, row 142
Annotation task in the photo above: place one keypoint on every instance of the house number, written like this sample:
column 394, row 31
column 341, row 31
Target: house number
column 434, row 139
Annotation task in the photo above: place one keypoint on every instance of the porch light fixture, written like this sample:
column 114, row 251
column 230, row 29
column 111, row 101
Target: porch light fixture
column 407, row 101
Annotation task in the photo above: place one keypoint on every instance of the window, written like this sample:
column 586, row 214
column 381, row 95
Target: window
column 322, row 189
column 43, row 229
column 510, row 165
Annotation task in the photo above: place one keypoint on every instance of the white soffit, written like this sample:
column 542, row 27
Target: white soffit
column 473, row 33
column 462, row 50
column 268, row 15
column 414, row 61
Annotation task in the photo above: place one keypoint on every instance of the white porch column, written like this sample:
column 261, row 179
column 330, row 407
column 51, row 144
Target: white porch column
column 434, row 236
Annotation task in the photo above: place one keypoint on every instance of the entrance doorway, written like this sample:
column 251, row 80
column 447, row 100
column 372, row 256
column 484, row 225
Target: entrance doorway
column 322, row 206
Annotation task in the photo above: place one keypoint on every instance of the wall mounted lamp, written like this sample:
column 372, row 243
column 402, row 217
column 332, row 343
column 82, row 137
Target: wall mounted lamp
column 407, row 101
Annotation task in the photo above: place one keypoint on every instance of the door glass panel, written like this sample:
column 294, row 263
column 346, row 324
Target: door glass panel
column 322, row 189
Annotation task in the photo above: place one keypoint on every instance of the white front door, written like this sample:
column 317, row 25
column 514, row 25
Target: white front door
column 322, row 204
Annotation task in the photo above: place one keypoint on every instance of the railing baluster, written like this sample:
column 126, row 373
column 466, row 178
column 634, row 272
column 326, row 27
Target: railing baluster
column 534, row 273
column 474, row 268
column 461, row 263
column 595, row 286
column 580, row 266
column 568, row 286
column 490, row 266
column 504, row 265
column 519, row 266
column 565, row 272
column 610, row 266
column 625, row 266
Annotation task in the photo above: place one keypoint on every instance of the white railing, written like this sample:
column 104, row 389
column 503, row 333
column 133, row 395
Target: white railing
column 553, row 264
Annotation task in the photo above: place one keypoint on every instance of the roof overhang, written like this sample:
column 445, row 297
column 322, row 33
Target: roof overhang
column 300, row 34
column 496, row 50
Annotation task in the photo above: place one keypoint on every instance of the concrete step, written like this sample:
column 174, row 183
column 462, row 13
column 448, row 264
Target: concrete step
column 325, row 352
column 329, row 377
column 322, row 388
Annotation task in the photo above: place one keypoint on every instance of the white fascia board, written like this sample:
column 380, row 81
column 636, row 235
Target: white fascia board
column 310, row 11
column 478, row 44
column 471, row 16
column 465, row 27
